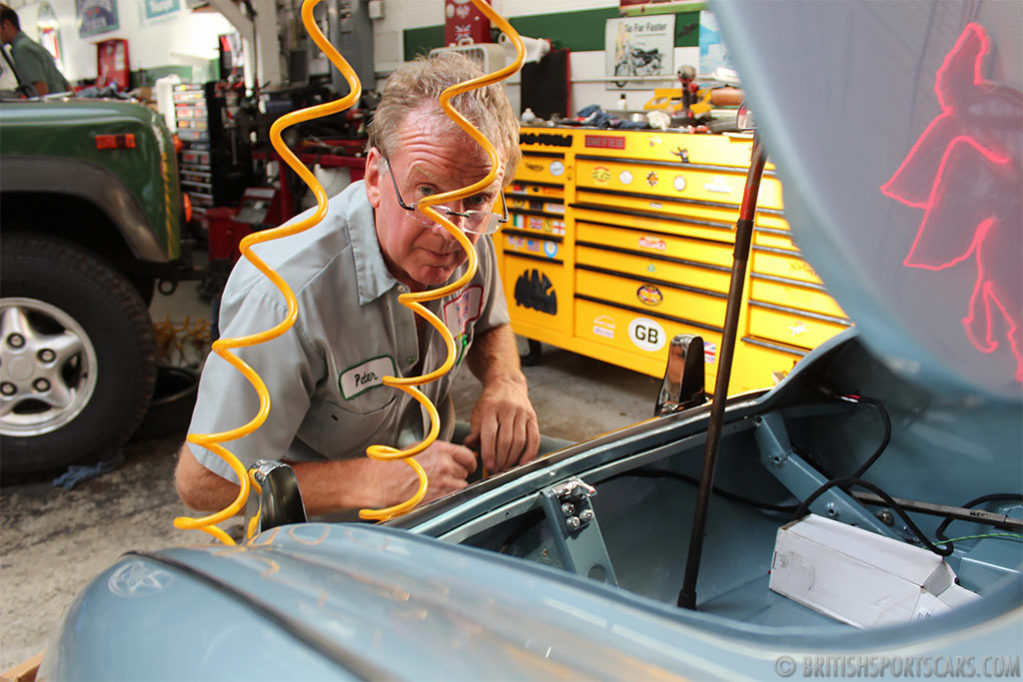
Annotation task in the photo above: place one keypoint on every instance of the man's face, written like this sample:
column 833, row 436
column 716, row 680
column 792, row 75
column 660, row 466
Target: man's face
column 428, row 158
column 7, row 32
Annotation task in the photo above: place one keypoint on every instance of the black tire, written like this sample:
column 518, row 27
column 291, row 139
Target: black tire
column 105, row 369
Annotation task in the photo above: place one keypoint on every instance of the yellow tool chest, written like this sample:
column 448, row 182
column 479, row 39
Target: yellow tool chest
column 619, row 240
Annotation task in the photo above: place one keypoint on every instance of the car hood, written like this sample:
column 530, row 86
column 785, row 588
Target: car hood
column 346, row 601
column 896, row 129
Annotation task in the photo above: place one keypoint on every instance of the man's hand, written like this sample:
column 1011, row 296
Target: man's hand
column 340, row 485
column 504, row 426
column 447, row 466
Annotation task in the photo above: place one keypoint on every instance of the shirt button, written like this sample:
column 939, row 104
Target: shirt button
column 402, row 289
column 409, row 360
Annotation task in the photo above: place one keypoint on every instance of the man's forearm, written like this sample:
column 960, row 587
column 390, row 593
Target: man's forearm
column 326, row 486
column 495, row 357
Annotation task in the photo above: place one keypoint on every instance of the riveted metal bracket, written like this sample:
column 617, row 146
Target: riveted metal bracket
column 576, row 531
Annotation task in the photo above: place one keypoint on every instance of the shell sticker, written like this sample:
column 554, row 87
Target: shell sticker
column 649, row 294
column 647, row 334
column 604, row 326
column 601, row 174
column 557, row 168
column 654, row 243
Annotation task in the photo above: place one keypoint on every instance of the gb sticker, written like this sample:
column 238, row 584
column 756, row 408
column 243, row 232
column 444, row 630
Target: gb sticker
column 647, row 334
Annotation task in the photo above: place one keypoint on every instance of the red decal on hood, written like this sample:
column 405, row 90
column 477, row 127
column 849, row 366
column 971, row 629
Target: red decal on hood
column 962, row 173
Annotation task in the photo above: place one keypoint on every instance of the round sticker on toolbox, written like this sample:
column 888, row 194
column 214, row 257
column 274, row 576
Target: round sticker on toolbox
column 557, row 168
column 646, row 334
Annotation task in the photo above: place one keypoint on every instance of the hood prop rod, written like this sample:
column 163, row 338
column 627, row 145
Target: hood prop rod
column 743, row 239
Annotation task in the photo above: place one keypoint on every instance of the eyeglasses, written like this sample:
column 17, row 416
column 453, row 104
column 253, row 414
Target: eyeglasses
column 477, row 222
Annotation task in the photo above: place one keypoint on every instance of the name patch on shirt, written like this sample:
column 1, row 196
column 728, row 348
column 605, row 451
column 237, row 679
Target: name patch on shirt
column 366, row 375
column 459, row 312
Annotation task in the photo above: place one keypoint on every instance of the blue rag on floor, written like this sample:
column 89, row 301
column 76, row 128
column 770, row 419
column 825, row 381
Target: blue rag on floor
column 76, row 473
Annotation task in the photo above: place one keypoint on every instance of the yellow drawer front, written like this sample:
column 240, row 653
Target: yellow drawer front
column 694, row 148
column 638, row 266
column 790, row 327
column 660, row 298
column 530, row 202
column 629, row 335
column 718, row 217
column 536, row 223
column 541, row 169
column 794, row 296
column 783, row 265
column 531, row 246
column 538, row 292
column 693, row 184
column 722, row 233
column 553, row 193
column 774, row 240
column 757, row 366
column 656, row 244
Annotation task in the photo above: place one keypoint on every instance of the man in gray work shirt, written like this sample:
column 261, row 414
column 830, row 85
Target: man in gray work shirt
column 33, row 64
column 324, row 375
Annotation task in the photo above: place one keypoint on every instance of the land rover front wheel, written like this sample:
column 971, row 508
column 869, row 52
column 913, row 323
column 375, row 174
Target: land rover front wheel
column 76, row 355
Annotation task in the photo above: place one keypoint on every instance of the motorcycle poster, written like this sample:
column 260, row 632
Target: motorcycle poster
column 639, row 47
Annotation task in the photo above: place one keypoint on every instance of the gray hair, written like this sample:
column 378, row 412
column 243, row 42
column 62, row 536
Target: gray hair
column 424, row 79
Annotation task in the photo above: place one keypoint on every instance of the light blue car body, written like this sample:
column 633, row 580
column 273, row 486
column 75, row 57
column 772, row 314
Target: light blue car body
column 481, row 585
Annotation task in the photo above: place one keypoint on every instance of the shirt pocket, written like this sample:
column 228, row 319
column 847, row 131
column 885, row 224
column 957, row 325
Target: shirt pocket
column 341, row 430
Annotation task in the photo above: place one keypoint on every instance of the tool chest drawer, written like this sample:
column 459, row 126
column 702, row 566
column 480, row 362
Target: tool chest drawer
column 655, row 244
column 780, row 263
column 774, row 238
column 685, row 302
column 524, row 242
column 538, row 291
column 549, row 168
column 732, row 151
column 761, row 364
column 636, row 333
column 812, row 298
column 668, row 179
column 794, row 327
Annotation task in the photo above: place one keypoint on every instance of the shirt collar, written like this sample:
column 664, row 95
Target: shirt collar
column 371, row 273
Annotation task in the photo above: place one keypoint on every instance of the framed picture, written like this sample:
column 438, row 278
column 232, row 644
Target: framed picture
column 154, row 10
column 96, row 16
column 635, row 47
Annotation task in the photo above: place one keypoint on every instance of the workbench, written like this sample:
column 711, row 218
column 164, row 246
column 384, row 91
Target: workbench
column 619, row 240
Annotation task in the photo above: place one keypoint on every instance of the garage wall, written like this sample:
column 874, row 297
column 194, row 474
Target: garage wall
column 181, row 41
column 411, row 27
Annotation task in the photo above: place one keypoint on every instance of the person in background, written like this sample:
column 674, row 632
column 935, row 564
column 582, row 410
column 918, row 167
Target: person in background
column 33, row 64
column 328, row 402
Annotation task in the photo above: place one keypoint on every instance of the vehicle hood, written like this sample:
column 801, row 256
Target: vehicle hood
column 353, row 601
column 897, row 129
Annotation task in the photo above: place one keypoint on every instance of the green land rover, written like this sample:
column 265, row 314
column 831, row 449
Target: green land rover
column 90, row 220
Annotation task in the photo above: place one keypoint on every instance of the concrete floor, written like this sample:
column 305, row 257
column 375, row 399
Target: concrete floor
column 54, row 541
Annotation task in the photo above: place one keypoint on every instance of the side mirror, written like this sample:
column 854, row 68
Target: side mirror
column 684, row 377
column 275, row 499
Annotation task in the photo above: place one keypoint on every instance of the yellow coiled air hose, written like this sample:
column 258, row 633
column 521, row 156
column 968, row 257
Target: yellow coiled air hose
column 222, row 346
column 414, row 301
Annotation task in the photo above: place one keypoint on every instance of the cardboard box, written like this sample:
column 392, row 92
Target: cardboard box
column 859, row 577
